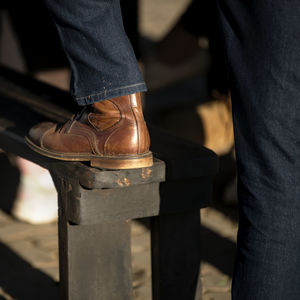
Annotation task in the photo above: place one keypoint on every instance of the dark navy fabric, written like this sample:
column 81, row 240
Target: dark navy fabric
column 262, row 39
column 102, row 60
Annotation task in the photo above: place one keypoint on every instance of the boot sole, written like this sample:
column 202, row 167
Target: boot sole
column 104, row 162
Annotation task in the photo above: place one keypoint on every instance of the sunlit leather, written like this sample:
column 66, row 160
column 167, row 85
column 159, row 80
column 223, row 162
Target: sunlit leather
column 108, row 128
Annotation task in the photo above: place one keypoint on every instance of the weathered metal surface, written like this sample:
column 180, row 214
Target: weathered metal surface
column 107, row 205
column 95, row 260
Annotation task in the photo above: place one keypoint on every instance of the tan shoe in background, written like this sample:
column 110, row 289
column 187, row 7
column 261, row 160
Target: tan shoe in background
column 111, row 134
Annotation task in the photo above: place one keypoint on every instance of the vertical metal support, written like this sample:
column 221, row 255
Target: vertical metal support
column 95, row 260
column 176, row 257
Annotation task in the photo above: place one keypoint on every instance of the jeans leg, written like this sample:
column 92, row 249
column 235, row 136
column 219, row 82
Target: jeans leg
column 102, row 60
column 262, row 40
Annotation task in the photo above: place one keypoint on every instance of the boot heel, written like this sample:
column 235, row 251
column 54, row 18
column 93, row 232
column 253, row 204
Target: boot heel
column 122, row 163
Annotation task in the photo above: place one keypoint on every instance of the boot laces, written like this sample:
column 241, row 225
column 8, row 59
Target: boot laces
column 74, row 117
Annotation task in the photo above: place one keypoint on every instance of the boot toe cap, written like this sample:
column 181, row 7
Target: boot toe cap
column 36, row 133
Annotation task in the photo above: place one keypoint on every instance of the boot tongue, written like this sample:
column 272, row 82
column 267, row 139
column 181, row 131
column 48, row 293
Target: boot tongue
column 84, row 110
column 81, row 115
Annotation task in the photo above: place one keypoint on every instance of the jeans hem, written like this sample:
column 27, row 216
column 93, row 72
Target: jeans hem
column 107, row 94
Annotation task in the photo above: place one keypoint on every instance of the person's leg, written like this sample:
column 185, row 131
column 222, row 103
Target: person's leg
column 101, row 57
column 263, row 49
column 110, row 132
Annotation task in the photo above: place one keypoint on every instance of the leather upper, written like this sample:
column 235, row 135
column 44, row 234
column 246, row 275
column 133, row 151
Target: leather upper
column 111, row 127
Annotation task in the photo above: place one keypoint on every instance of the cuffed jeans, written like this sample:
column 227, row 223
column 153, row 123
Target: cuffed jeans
column 101, row 58
column 262, row 40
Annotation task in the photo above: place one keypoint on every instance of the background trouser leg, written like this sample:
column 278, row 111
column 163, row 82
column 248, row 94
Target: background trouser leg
column 102, row 60
column 263, row 48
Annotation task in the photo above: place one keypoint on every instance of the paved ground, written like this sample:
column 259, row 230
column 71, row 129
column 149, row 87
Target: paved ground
column 29, row 258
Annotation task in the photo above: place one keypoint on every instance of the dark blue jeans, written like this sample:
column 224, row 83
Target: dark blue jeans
column 102, row 60
column 262, row 40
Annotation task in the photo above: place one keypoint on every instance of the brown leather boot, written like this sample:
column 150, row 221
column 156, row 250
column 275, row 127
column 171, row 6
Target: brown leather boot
column 111, row 134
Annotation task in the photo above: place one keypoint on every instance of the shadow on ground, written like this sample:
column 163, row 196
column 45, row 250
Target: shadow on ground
column 9, row 181
column 22, row 281
column 218, row 251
